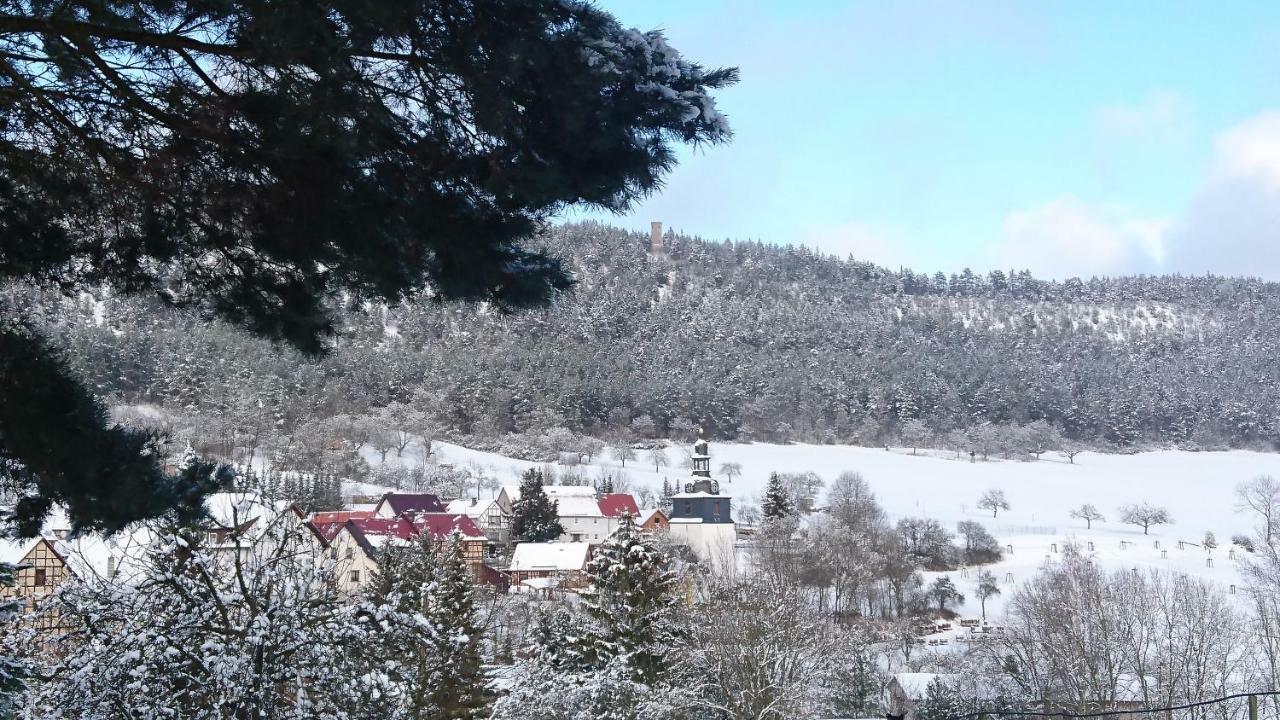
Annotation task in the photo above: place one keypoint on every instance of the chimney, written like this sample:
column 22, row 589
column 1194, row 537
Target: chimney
column 655, row 237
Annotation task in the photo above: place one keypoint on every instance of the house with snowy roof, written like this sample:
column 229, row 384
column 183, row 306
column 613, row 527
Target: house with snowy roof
column 549, row 567
column 653, row 520
column 585, row 515
column 355, row 545
column 492, row 516
column 43, row 569
column 243, row 523
column 394, row 505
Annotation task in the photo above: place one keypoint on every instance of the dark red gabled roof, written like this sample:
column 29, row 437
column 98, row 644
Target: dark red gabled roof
column 441, row 524
column 405, row 527
column 401, row 503
column 340, row 516
column 618, row 504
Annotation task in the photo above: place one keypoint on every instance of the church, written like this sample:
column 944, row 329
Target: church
column 701, row 517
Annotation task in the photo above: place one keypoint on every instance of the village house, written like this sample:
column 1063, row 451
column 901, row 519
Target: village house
column 355, row 545
column 549, row 568
column 393, row 505
column 492, row 516
column 585, row 515
column 653, row 520
column 44, row 569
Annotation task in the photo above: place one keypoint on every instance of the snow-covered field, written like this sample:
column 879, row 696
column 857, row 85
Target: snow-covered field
column 1197, row 488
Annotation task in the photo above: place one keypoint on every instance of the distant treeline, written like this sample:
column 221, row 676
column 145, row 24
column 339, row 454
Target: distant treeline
column 746, row 340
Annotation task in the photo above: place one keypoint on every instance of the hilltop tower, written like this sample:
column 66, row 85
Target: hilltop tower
column 656, row 243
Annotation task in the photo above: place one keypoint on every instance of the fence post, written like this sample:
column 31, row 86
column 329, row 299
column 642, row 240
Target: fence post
column 1253, row 707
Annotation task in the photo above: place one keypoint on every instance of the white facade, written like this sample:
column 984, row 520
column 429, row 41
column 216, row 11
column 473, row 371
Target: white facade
column 713, row 543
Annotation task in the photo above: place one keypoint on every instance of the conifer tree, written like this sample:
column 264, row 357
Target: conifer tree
column 383, row 149
column 457, row 690
column 633, row 604
column 12, row 670
column 535, row 517
column 777, row 504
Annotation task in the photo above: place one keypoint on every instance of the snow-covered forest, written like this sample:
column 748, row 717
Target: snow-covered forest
column 748, row 341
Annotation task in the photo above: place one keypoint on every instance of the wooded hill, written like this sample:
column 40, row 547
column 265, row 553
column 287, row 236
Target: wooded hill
column 749, row 341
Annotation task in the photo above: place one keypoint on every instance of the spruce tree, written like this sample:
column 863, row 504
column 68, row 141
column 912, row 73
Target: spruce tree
column 777, row 504
column 457, row 690
column 13, row 671
column 252, row 161
column 535, row 517
column 633, row 604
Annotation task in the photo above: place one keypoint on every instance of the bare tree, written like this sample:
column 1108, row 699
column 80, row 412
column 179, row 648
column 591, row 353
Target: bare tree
column 764, row 652
column 993, row 500
column 1042, row 437
column 1261, row 495
column 915, row 434
column 1079, row 637
column 1145, row 516
column 623, row 453
column 1071, row 449
column 658, row 456
column 1088, row 514
column 987, row 589
column 731, row 470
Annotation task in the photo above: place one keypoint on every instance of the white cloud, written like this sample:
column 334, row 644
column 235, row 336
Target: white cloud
column 1163, row 116
column 1066, row 238
column 1232, row 226
column 1249, row 150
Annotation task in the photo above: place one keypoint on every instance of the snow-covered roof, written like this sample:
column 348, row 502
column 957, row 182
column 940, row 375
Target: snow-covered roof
column 578, row 506
column 235, row 509
column 647, row 514
column 11, row 551
column 553, row 556
column 469, row 507
column 121, row 556
column 691, row 495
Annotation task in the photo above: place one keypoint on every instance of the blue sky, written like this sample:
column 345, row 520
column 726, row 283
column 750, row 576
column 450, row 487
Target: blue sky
column 1070, row 138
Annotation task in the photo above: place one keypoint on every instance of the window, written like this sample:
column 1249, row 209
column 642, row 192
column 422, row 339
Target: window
column 355, row 576
column 42, row 577
column 350, row 553
column 688, row 508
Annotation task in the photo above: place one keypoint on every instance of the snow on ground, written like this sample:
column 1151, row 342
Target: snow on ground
column 1197, row 488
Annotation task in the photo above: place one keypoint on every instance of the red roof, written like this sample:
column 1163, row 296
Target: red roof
column 412, row 502
column 439, row 525
column 618, row 504
column 340, row 516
